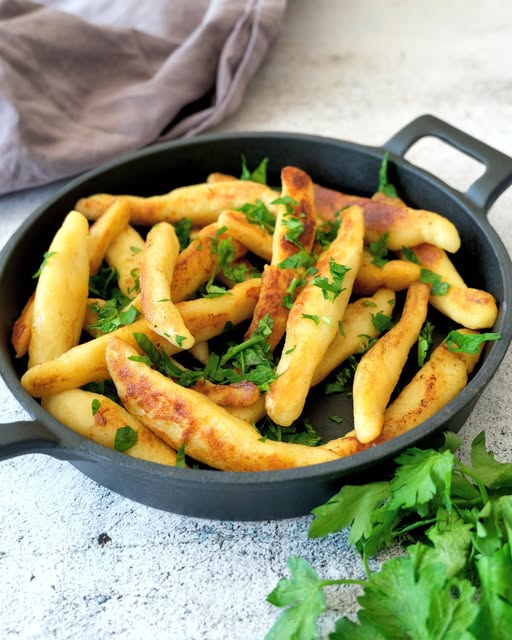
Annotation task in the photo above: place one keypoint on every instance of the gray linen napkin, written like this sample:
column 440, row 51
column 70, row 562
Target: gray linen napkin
column 82, row 81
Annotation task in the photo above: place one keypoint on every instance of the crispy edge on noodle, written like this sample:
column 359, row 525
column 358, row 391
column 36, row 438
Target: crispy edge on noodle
column 209, row 433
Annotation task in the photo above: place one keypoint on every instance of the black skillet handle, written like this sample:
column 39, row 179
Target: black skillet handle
column 498, row 166
column 18, row 438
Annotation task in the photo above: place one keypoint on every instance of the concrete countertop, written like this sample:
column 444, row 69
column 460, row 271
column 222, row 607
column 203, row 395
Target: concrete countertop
column 78, row 561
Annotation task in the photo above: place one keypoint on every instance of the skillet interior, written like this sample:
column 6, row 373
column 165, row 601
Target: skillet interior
column 344, row 166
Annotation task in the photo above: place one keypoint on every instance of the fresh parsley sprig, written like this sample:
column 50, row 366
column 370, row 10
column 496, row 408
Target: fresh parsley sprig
column 453, row 579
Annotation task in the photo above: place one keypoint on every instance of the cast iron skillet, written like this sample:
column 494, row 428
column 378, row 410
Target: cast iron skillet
column 352, row 168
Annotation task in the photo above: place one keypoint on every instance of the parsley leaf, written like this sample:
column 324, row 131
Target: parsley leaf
column 332, row 289
column 327, row 231
column 113, row 314
column 424, row 342
column 384, row 186
column 180, row 456
column 379, row 250
column 297, row 434
column 342, row 377
column 382, row 322
column 468, row 342
column 258, row 175
column 422, row 477
column 453, row 582
column 125, row 438
column 300, row 259
column 259, row 215
column 410, row 255
column 494, row 617
column 182, row 229
column 439, row 288
column 95, row 405
column 225, row 250
column 303, row 595
column 46, row 256
column 103, row 284
column 212, row 290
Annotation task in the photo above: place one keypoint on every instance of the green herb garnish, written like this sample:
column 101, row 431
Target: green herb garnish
column 439, row 288
column 424, row 342
column 379, row 250
column 125, row 438
column 112, row 314
column 468, row 342
column 95, row 405
column 297, row 433
column 453, row 580
column 332, row 289
column 46, row 256
column 258, row 214
column 258, row 175
column 182, row 229
column 327, row 231
column 382, row 322
column 384, row 186
column 410, row 255
column 180, row 456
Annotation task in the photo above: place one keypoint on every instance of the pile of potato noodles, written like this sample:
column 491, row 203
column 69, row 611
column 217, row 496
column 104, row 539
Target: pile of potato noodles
column 309, row 274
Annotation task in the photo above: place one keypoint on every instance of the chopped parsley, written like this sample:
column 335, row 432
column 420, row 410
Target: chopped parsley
column 182, row 229
column 288, row 202
column 104, row 284
column 332, row 289
column 384, row 186
column 259, row 215
column 410, row 255
column 180, row 456
column 424, row 342
column 382, row 322
column 225, row 250
column 296, row 433
column 341, row 380
column 439, row 288
column 468, row 342
column 251, row 360
column 212, row 290
column 95, row 405
column 113, row 314
column 289, row 297
column 300, row 259
column 125, row 438
column 258, row 175
column 46, row 256
column 379, row 250
column 328, row 230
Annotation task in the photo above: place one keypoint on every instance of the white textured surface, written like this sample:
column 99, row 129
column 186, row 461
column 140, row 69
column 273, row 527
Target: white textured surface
column 353, row 70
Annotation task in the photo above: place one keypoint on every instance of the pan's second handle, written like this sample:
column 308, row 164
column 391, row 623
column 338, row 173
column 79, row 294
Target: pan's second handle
column 498, row 166
column 22, row 437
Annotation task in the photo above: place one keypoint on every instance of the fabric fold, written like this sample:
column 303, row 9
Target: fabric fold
column 79, row 86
